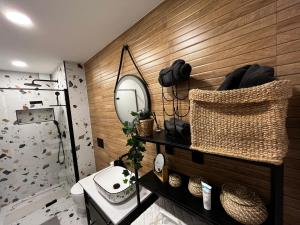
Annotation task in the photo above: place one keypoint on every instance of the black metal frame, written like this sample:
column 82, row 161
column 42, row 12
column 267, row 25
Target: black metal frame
column 137, row 211
column 70, row 123
column 41, row 80
column 71, row 131
column 276, row 205
column 175, row 99
column 276, row 172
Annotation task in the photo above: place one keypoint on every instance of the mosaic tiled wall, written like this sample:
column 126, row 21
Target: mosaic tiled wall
column 26, row 116
column 60, row 75
column 28, row 152
column 81, row 118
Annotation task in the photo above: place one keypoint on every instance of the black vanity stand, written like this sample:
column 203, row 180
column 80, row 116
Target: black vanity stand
column 96, row 216
column 182, row 198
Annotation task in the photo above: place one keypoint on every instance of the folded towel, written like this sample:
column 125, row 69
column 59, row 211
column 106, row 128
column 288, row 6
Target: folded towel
column 179, row 129
column 257, row 75
column 248, row 76
column 233, row 79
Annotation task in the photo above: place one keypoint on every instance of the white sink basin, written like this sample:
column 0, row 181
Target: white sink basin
column 111, row 186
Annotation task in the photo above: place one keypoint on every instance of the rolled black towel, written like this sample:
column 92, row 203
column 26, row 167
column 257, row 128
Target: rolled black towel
column 180, row 128
column 177, row 73
column 185, row 71
column 248, row 76
column 257, row 75
column 165, row 77
column 233, row 79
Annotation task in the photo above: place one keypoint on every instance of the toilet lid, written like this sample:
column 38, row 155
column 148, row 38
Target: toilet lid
column 77, row 189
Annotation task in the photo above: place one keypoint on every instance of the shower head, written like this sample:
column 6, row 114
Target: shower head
column 32, row 84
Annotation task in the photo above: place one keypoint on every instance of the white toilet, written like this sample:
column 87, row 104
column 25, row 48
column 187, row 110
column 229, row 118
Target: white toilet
column 77, row 194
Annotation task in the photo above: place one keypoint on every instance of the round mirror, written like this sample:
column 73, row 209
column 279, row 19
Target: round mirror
column 131, row 95
column 159, row 162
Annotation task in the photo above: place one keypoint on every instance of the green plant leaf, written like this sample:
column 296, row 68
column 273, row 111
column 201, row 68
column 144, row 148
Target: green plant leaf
column 137, row 147
column 134, row 113
column 125, row 173
column 130, row 142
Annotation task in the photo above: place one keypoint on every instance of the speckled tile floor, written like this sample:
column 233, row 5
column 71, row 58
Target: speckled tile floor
column 31, row 211
column 64, row 209
column 164, row 212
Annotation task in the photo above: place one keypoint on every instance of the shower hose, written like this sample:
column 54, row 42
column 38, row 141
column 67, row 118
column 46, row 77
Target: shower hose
column 61, row 149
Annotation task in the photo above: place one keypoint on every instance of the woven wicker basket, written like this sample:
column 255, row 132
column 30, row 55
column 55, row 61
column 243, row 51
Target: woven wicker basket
column 243, row 205
column 195, row 186
column 246, row 123
column 145, row 127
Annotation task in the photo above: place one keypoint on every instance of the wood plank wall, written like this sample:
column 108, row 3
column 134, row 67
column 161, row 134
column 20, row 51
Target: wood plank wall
column 215, row 37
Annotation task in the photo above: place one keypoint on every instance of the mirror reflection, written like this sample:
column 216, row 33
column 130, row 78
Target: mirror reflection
column 131, row 96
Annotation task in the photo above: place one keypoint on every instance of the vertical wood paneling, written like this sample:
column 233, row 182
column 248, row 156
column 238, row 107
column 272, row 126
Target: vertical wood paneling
column 215, row 37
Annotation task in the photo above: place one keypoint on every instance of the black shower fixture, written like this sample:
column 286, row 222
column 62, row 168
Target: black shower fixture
column 57, row 97
column 61, row 149
column 33, row 84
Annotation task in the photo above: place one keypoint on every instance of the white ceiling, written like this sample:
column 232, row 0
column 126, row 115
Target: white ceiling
column 72, row 30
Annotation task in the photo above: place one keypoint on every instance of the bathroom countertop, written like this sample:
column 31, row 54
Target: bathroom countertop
column 116, row 212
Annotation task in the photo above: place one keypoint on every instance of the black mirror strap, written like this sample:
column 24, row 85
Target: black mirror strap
column 126, row 47
column 120, row 67
column 132, row 59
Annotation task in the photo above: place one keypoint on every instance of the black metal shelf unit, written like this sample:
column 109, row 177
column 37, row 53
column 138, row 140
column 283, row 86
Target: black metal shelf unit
column 183, row 199
column 187, row 201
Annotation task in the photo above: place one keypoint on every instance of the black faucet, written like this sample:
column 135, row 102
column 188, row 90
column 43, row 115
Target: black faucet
column 120, row 162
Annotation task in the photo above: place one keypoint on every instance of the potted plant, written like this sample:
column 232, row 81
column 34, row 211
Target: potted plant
column 135, row 153
column 144, row 123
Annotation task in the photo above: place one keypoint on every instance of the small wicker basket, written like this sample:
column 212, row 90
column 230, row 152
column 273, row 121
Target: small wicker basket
column 175, row 180
column 247, row 123
column 243, row 204
column 195, row 186
column 145, row 127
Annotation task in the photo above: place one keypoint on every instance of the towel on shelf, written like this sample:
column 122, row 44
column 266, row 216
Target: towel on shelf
column 248, row 76
column 233, row 79
column 177, row 128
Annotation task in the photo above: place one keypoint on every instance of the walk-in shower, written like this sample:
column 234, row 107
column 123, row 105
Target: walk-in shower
column 36, row 149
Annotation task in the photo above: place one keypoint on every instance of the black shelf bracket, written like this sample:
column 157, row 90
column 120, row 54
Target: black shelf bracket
column 276, row 204
column 197, row 157
column 169, row 149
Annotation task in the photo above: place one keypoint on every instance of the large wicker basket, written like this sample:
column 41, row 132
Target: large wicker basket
column 246, row 123
column 243, row 204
